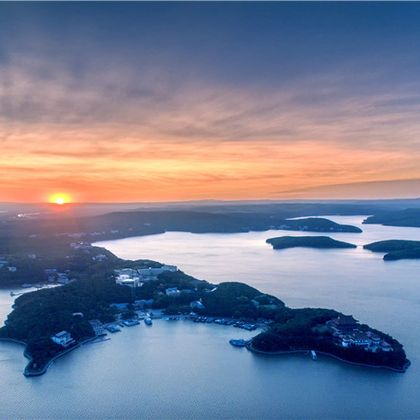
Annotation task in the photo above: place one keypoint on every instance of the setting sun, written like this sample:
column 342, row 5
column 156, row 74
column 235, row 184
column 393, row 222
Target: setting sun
column 59, row 198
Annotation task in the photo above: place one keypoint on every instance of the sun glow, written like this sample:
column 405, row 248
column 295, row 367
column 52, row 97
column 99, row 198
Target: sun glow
column 60, row 198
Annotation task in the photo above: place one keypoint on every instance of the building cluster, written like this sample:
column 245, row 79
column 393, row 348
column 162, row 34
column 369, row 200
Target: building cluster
column 348, row 333
column 136, row 277
column 54, row 276
column 5, row 263
column 99, row 257
column 63, row 338
column 139, row 304
column 98, row 327
column 80, row 245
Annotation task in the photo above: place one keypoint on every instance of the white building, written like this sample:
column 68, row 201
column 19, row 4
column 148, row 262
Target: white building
column 127, row 280
column 196, row 304
column 148, row 274
column 172, row 291
column 134, row 278
column 172, row 268
column 63, row 338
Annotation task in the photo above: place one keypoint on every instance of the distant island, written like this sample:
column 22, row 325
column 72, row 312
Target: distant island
column 283, row 242
column 407, row 218
column 53, row 321
column 317, row 224
column 396, row 249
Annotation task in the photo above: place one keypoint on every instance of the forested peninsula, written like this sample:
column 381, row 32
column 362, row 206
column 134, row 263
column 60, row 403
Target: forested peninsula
column 96, row 297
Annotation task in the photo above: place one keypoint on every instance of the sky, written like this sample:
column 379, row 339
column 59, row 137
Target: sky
column 120, row 102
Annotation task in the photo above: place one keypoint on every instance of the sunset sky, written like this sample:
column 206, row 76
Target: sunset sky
column 159, row 102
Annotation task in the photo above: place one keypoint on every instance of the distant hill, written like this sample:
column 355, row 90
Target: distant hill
column 284, row 242
column 407, row 217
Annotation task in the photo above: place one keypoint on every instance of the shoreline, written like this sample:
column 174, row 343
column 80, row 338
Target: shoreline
column 331, row 355
column 30, row 372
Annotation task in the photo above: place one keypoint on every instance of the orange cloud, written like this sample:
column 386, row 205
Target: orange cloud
column 99, row 141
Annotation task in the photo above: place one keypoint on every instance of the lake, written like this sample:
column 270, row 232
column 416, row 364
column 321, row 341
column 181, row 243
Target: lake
column 183, row 370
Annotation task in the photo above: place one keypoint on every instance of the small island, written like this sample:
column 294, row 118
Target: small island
column 325, row 242
column 396, row 249
column 317, row 224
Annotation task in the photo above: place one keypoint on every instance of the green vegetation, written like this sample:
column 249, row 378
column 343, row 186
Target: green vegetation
column 39, row 315
column 396, row 249
column 305, row 329
column 238, row 300
column 406, row 254
column 57, row 245
column 317, row 224
column 407, row 217
column 392, row 245
column 284, row 242
column 76, row 263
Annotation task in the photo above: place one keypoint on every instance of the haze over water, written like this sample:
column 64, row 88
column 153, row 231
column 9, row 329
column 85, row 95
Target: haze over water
column 184, row 370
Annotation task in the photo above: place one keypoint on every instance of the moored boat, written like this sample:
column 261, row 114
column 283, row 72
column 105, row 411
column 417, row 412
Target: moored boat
column 239, row 343
column 148, row 320
column 131, row 322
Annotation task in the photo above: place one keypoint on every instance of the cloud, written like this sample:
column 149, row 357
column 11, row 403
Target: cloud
column 162, row 136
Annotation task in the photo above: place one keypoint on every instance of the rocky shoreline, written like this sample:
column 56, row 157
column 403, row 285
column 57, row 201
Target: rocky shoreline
column 250, row 347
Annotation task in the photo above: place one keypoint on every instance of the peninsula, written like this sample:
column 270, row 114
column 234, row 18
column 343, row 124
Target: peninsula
column 396, row 249
column 50, row 322
column 283, row 242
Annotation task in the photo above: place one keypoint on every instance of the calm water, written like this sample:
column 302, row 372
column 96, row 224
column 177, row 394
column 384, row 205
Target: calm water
column 185, row 370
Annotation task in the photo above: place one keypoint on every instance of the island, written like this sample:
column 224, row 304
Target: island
column 407, row 218
column 283, row 242
column 396, row 249
column 110, row 291
column 317, row 224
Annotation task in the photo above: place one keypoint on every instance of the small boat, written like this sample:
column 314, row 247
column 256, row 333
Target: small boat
column 131, row 322
column 313, row 355
column 148, row 320
column 238, row 343
column 113, row 328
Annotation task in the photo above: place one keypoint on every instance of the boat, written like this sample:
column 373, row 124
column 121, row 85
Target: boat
column 113, row 328
column 239, row 343
column 147, row 320
column 131, row 322
column 313, row 355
